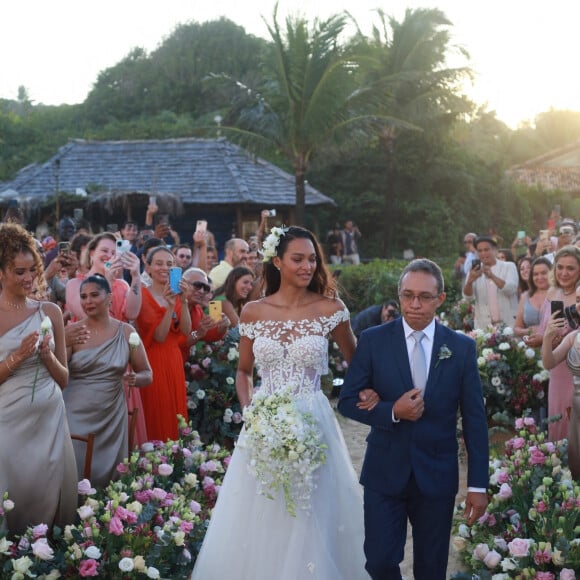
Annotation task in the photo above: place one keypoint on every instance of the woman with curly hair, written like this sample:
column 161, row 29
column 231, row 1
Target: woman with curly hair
column 33, row 371
column 235, row 292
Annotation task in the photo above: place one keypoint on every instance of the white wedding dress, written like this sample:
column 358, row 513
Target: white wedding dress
column 251, row 537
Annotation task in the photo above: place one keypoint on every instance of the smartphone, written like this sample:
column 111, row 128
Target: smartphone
column 64, row 248
column 122, row 246
column 78, row 214
column 112, row 228
column 475, row 263
column 557, row 306
column 521, row 235
column 174, row 279
column 201, row 226
column 152, row 200
column 215, row 310
column 544, row 234
column 551, row 224
column 272, row 213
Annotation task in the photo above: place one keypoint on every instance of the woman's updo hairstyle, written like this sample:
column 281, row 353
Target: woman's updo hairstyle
column 98, row 280
column 14, row 240
column 322, row 282
column 92, row 246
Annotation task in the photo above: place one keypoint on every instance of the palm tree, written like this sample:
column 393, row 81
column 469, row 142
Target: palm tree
column 407, row 64
column 309, row 98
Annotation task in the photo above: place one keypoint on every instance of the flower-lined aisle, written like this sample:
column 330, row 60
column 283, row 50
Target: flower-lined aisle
column 148, row 524
column 531, row 528
column 513, row 378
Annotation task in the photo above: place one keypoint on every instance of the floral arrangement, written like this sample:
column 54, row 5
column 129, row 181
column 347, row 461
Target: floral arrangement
column 148, row 524
column 213, row 405
column 512, row 374
column 460, row 316
column 270, row 245
column 45, row 328
column 531, row 528
column 285, row 447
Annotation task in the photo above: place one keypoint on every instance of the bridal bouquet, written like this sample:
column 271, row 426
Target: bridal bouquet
column 285, row 447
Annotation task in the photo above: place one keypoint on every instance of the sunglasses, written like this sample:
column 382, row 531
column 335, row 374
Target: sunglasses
column 201, row 286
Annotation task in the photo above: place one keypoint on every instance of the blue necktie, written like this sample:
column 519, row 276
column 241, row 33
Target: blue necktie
column 419, row 363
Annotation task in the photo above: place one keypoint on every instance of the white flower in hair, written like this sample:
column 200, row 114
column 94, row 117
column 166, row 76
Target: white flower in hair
column 271, row 243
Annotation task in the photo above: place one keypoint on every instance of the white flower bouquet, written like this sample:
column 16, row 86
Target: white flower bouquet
column 285, row 447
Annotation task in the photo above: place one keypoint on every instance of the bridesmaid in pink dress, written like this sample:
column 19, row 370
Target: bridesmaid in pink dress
column 566, row 274
column 126, row 300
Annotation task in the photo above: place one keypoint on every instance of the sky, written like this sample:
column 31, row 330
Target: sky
column 523, row 52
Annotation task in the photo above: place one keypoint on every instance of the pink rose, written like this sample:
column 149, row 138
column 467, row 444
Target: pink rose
column 519, row 548
column 492, row 559
column 505, row 491
column 39, row 531
column 537, row 457
column 116, row 526
column 529, row 421
column 519, row 423
column 194, row 506
column 123, row 468
column 541, row 507
column 567, row 574
column 88, row 568
column 481, row 551
column 42, row 550
column 550, row 447
column 165, row 469
column 542, row 557
column 206, row 362
column 84, row 487
column 544, row 576
column 503, row 477
column 518, row 442
column 159, row 493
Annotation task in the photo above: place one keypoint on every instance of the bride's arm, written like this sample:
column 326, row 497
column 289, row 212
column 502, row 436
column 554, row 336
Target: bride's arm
column 244, row 374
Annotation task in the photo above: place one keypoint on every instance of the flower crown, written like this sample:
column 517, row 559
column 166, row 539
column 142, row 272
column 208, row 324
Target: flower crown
column 271, row 243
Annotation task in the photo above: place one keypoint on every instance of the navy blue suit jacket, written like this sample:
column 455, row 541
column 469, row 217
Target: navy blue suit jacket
column 426, row 448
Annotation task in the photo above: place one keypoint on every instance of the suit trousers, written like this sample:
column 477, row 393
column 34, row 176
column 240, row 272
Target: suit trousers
column 386, row 532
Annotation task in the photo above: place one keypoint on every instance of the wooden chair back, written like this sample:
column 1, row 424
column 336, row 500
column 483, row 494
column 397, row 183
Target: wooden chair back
column 90, row 441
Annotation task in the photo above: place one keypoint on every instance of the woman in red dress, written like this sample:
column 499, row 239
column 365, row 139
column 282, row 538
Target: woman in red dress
column 162, row 323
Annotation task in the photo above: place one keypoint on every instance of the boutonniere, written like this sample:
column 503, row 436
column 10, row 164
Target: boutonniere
column 443, row 353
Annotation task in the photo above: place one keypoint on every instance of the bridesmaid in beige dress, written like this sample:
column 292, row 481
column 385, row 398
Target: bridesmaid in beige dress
column 94, row 399
column 37, row 464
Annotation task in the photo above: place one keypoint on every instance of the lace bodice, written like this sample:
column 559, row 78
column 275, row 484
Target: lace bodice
column 292, row 353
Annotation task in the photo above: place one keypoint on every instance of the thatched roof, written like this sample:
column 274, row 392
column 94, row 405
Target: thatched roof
column 190, row 171
column 557, row 169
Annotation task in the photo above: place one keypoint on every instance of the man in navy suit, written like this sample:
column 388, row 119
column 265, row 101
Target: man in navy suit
column 423, row 373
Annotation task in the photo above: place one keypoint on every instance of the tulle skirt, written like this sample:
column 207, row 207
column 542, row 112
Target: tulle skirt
column 251, row 537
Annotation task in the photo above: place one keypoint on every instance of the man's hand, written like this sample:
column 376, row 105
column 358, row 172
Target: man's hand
column 475, row 505
column 409, row 406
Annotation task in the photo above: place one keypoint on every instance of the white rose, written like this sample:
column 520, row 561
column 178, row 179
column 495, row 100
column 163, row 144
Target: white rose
column 134, row 340
column 200, row 394
column 22, row 565
column 5, row 546
column 230, row 380
column 8, row 505
column 508, row 331
column 85, row 512
column 139, row 563
column 93, row 552
column 481, row 362
column 504, row 346
column 530, row 353
column 486, row 352
column 152, row 572
column 126, row 565
column 495, row 381
column 179, row 538
column 45, row 325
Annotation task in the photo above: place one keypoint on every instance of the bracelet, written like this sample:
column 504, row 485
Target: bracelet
column 193, row 335
column 8, row 364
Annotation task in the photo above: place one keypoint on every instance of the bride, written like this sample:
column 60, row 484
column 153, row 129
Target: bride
column 252, row 536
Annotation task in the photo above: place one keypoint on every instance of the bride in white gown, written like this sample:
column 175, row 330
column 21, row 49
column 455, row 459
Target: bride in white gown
column 250, row 536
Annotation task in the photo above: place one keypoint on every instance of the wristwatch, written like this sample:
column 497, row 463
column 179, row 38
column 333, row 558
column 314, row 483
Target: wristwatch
column 193, row 335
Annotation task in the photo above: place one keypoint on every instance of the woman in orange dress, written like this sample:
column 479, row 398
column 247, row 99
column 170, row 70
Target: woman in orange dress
column 162, row 323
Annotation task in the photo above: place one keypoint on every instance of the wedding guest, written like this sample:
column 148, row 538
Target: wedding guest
column 531, row 302
column 565, row 277
column 235, row 292
column 524, row 266
column 163, row 321
column 236, row 253
column 102, row 259
column 568, row 352
column 33, row 427
column 94, row 398
column 204, row 327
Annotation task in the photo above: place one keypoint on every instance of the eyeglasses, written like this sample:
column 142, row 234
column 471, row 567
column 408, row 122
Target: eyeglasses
column 566, row 232
column 184, row 256
column 422, row 298
column 201, row 286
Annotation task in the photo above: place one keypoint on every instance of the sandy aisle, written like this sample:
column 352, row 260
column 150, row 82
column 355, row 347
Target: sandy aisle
column 354, row 435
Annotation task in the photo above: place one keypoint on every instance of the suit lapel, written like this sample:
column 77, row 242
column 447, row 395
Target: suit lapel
column 399, row 346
